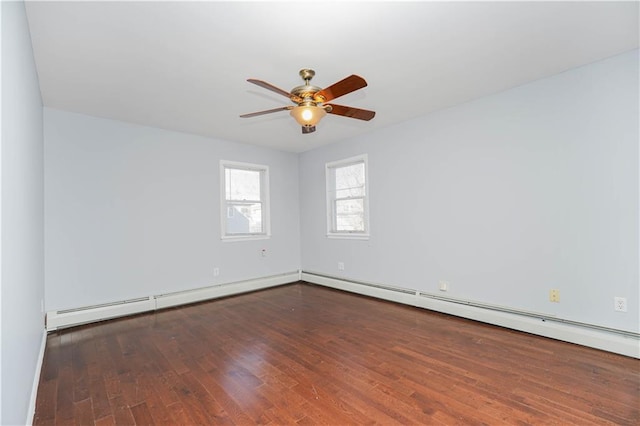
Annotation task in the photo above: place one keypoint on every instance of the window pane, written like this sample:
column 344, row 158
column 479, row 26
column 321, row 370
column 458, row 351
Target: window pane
column 347, row 198
column 350, row 215
column 242, row 184
column 244, row 218
column 350, row 181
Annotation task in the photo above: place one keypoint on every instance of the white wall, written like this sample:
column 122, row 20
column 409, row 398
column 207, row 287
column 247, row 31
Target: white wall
column 132, row 211
column 504, row 197
column 22, row 216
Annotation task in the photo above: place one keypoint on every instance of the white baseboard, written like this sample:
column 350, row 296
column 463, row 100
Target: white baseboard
column 627, row 344
column 192, row 296
column 36, row 380
column 85, row 315
column 622, row 343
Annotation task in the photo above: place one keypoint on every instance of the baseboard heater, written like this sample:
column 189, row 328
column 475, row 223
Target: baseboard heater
column 73, row 317
column 609, row 339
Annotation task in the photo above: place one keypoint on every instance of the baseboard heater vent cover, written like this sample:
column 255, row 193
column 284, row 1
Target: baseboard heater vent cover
column 73, row 317
column 88, row 314
column 613, row 340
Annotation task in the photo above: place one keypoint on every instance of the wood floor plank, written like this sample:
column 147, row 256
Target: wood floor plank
column 98, row 395
column 64, row 395
column 210, row 383
column 46, row 403
column 154, row 404
column 280, row 395
column 121, row 412
column 105, row 421
column 51, row 361
column 83, row 412
column 141, row 414
column 180, row 414
column 211, row 406
column 188, row 406
column 303, row 354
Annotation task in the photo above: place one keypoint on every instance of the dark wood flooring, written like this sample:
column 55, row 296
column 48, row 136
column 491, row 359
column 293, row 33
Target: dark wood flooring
column 311, row 355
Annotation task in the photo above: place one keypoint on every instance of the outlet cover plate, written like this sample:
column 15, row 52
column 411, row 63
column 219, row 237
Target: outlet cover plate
column 620, row 304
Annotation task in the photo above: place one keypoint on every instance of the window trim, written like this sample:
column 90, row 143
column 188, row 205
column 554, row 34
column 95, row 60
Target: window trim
column 329, row 175
column 265, row 200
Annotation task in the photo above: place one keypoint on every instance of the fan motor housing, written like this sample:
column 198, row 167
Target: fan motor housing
column 306, row 91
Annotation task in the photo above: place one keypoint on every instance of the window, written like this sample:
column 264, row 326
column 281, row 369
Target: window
column 347, row 198
column 244, row 200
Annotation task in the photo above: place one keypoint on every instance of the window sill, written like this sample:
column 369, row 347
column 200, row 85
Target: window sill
column 230, row 239
column 349, row 236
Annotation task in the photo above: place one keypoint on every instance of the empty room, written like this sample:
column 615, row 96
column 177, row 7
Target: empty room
column 337, row 213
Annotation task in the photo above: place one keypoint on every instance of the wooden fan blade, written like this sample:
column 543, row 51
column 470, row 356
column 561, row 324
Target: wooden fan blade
column 275, row 89
column 269, row 111
column 341, row 88
column 351, row 112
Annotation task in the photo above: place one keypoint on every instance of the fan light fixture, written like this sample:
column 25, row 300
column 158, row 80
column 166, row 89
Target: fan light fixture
column 310, row 100
column 308, row 115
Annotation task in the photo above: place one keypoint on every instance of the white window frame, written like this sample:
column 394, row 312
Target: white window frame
column 330, row 189
column 264, row 194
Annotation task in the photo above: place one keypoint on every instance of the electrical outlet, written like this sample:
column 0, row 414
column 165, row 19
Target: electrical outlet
column 443, row 285
column 340, row 266
column 620, row 304
column 554, row 295
column 216, row 272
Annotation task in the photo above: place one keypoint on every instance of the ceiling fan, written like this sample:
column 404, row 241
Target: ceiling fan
column 310, row 100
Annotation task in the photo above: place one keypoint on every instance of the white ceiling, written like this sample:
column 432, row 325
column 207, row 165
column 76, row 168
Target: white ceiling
column 183, row 65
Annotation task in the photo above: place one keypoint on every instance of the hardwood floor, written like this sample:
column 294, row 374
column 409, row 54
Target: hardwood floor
column 311, row 355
